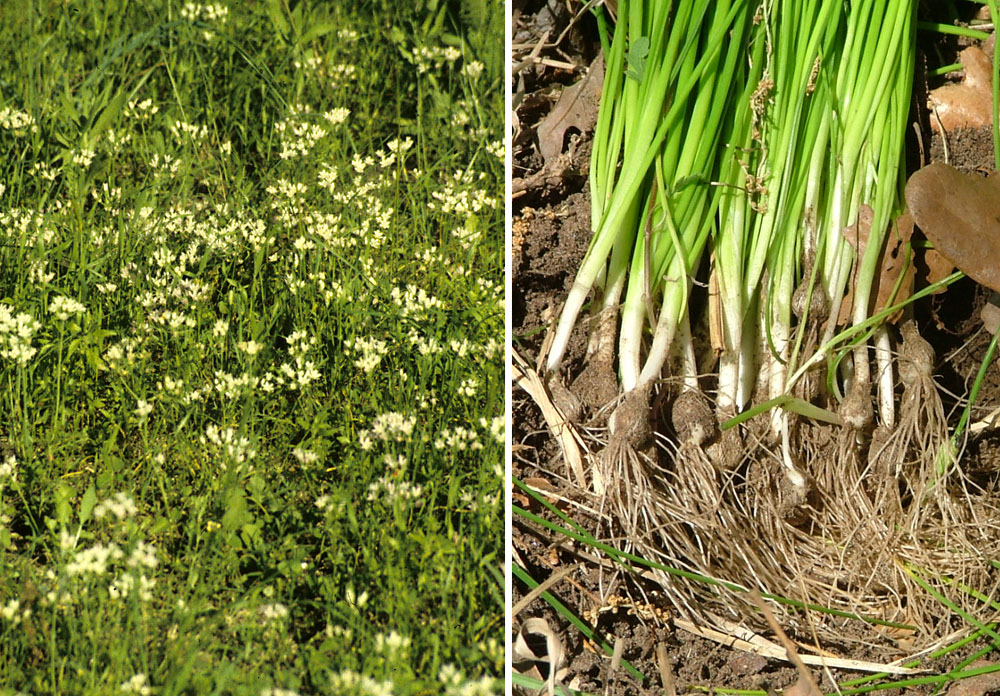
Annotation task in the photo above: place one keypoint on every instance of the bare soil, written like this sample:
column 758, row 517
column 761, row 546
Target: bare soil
column 552, row 49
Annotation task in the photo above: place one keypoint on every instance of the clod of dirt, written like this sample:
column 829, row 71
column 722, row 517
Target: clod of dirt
column 916, row 356
column 630, row 421
column 596, row 385
column 969, row 103
column 794, row 493
column 692, row 418
column 565, row 400
column 960, row 214
column 981, row 685
column 576, row 108
column 856, row 410
column 991, row 315
column 727, row 452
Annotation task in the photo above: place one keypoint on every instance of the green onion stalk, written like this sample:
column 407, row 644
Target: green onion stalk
column 831, row 106
column 668, row 83
column 871, row 103
column 760, row 238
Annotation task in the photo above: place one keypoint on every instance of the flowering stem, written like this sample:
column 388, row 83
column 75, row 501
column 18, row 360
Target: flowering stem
column 58, row 414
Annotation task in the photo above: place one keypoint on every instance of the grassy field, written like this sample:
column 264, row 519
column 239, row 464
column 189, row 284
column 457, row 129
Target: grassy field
column 251, row 347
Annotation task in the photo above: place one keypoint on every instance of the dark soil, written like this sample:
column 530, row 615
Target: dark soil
column 551, row 232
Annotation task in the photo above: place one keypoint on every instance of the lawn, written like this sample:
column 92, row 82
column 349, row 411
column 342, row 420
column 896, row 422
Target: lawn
column 251, row 347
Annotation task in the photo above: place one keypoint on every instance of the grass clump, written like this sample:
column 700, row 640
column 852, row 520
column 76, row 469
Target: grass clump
column 251, row 370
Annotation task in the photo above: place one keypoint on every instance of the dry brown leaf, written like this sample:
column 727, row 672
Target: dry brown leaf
column 990, row 314
column 893, row 263
column 857, row 236
column 539, row 484
column 576, row 108
column 935, row 267
column 553, row 657
column 969, row 103
column 960, row 214
column 896, row 260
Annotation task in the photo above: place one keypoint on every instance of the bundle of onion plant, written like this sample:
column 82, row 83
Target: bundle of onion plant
column 669, row 85
column 825, row 131
column 759, row 130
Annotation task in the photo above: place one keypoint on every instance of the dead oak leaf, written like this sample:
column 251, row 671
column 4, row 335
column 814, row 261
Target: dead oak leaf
column 960, row 214
column 969, row 103
column 897, row 259
column 576, row 108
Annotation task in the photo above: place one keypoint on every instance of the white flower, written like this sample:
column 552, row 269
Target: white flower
column 121, row 505
column 136, row 685
column 11, row 611
column 495, row 427
column 356, row 600
column 19, row 122
column 93, row 560
column 250, row 347
column 63, row 307
column 143, row 556
column 305, row 456
column 143, row 408
column 391, row 643
column 468, row 386
column 371, row 352
column 234, row 446
column 272, row 612
column 83, row 157
column 473, row 70
column 8, row 469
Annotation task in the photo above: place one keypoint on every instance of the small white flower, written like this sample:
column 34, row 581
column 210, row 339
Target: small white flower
column 63, row 307
column 121, row 505
column 473, row 70
column 250, row 347
column 136, row 685
column 143, row 408
column 273, row 612
column 83, row 157
column 305, row 456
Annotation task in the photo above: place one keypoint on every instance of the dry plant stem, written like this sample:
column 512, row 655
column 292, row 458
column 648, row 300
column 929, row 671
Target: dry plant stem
column 666, row 670
column 550, row 581
column 527, row 379
column 789, row 646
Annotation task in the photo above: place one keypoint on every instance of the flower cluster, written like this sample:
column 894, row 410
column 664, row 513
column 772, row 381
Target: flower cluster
column 415, row 302
column 63, row 307
column 370, row 352
column 211, row 12
column 16, row 332
column 297, row 135
column 387, row 427
column 234, row 447
column 16, row 121
column 120, row 506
